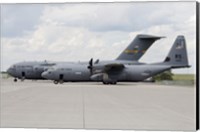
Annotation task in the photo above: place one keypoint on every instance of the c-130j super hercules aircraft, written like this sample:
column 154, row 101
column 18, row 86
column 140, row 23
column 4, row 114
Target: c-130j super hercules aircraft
column 125, row 68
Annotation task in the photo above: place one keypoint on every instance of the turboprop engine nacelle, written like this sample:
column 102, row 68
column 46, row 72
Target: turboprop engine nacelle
column 101, row 77
column 97, row 77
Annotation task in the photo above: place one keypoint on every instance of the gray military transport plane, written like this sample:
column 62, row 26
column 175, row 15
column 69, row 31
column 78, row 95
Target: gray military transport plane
column 29, row 70
column 123, row 68
column 33, row 70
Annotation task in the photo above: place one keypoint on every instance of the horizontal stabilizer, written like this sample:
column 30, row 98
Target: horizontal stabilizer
column 142, row 36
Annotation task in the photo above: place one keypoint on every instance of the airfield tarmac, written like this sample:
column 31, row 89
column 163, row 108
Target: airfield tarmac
column 137, row 106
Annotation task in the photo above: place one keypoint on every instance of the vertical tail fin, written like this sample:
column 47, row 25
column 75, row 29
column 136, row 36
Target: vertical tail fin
column 137, row 47
column 177, row 57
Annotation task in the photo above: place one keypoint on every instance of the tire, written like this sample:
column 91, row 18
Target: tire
column 105, row 83
column 61, row 81
column 55, row 82
column 22, row 79
column 113, row 83
column 15, row 80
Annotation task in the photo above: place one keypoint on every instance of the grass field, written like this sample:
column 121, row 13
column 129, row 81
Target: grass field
column 184, row 77
column 4, row 75
column 181, row 80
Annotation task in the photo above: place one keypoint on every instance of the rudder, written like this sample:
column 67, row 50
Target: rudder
column 177, row 57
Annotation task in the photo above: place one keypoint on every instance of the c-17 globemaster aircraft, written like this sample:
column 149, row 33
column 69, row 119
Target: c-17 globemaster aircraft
column 33, row 70
column 121, row 69
column 29, row 70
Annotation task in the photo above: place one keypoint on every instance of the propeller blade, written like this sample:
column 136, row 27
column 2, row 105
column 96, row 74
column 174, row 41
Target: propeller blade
column 91, row 65
column 91, row 62
column 96, row 62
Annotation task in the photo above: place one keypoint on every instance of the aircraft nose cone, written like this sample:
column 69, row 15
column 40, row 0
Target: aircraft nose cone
column 8, row 71
column 44, row 75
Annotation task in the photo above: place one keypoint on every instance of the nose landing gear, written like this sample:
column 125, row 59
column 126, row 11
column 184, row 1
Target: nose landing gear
column 60, row 81
column 61, row 76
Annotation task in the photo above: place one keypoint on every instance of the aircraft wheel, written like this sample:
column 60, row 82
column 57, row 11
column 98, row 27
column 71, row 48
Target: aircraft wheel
column 15, row 80
column 113, row 83
column 22, row 79
column 61, row 81
column 106, row 83
column 55, row 82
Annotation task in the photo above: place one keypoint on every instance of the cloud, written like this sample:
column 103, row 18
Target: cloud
column 73, row 32
column 17, row 19
column 115, row 16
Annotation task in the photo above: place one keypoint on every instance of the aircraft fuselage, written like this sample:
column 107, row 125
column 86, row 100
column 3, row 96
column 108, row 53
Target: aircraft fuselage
column 80, row 72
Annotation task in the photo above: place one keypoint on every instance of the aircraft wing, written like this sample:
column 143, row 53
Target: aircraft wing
column 113, row 67
column 108, row 72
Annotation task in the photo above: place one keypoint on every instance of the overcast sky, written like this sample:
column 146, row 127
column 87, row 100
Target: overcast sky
column 73, row 32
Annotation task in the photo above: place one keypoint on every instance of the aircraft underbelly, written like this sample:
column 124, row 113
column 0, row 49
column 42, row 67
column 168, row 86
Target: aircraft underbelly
column 77, row 75
column 140, row 73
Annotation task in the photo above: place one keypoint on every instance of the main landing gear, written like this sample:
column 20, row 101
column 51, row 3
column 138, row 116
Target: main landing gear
column 112, row 83
column 55, row 82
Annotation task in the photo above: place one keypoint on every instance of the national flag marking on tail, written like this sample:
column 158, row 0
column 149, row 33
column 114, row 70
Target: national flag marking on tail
column 131, row 51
